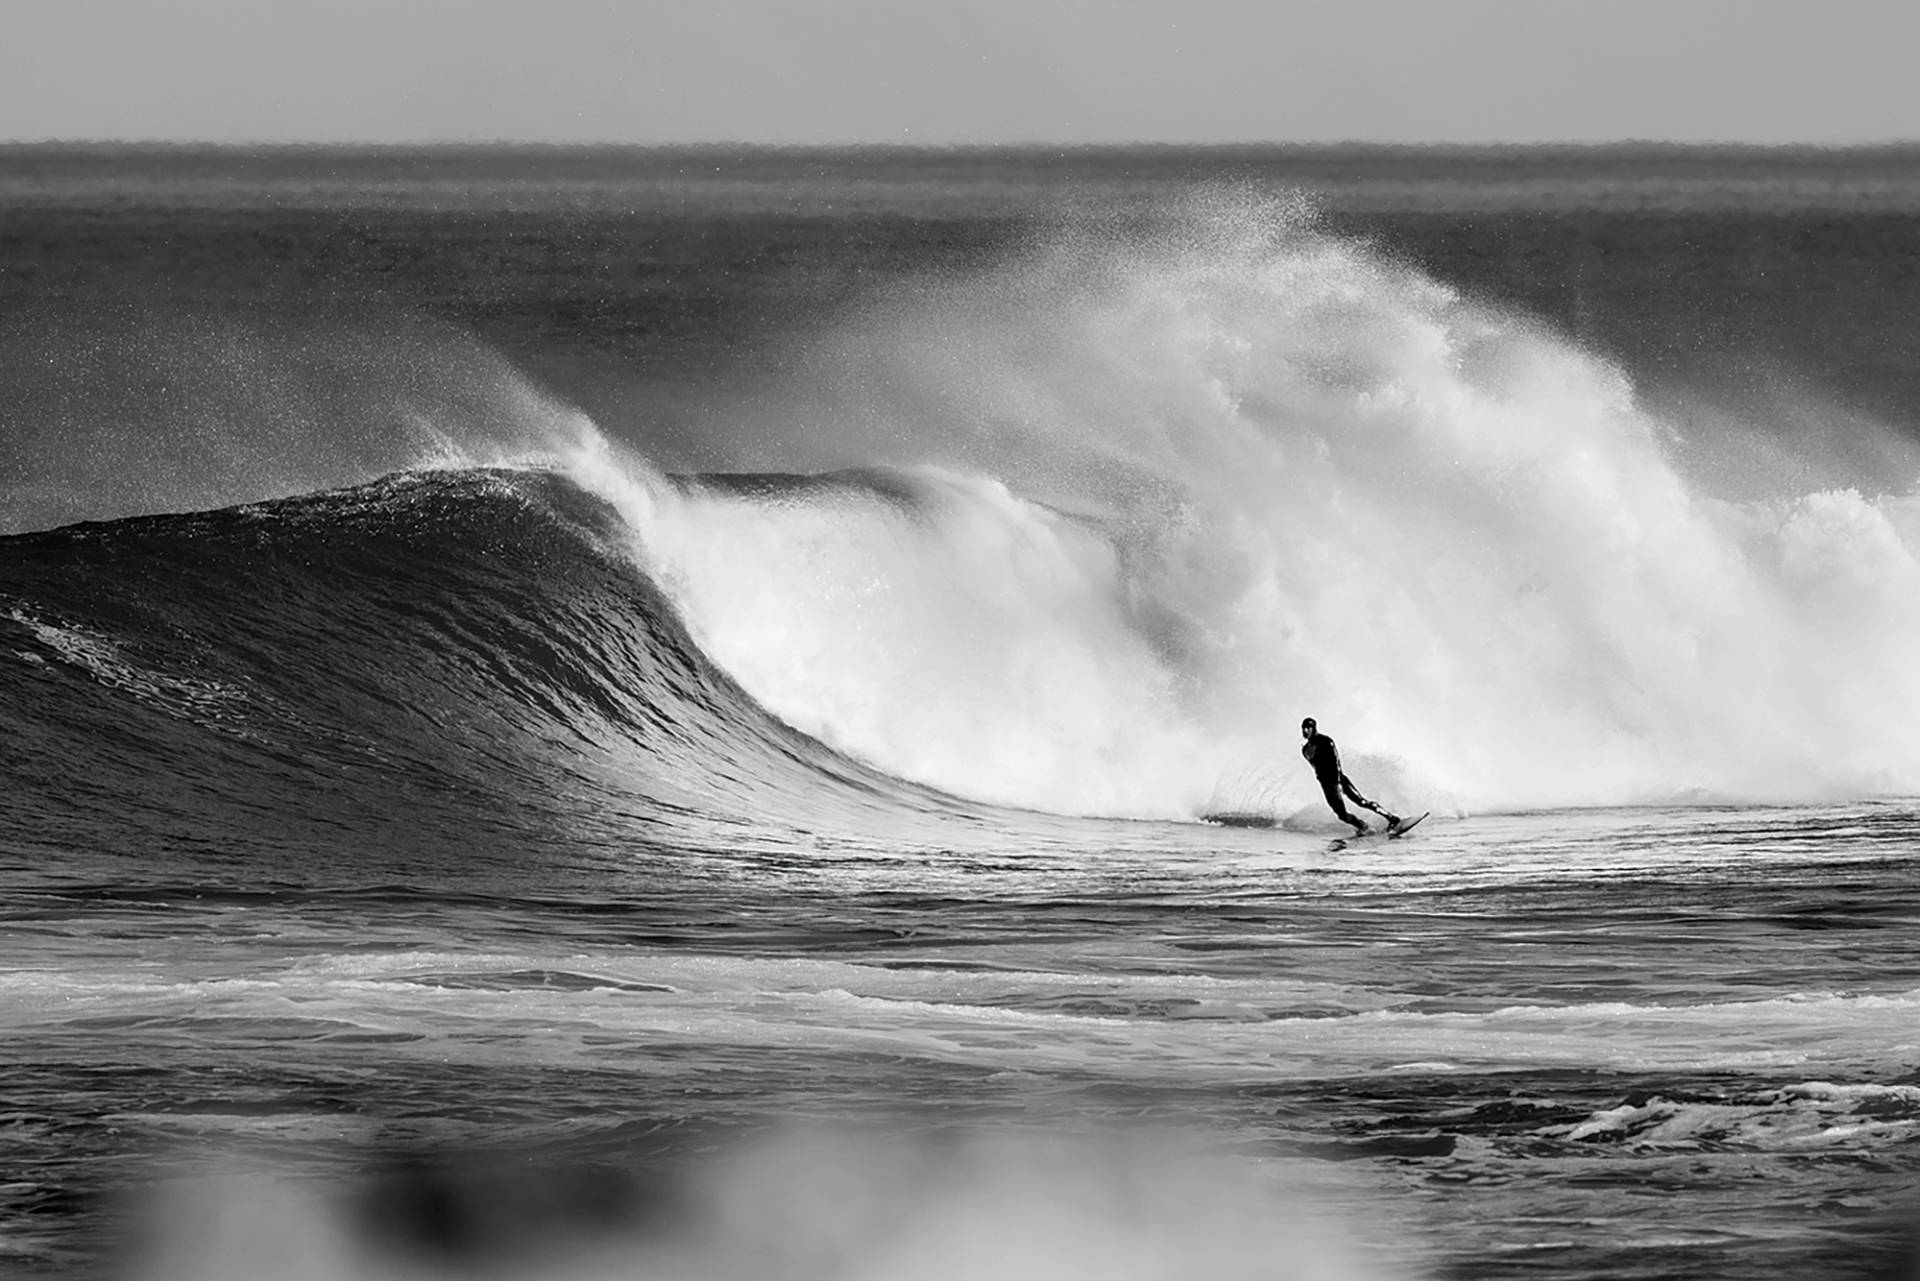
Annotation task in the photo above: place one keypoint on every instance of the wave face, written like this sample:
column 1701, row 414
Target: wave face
column 430, row 662
column 1161, row 491
column 1087, row 532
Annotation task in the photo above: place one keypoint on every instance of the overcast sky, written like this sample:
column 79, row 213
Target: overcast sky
column 819, row 71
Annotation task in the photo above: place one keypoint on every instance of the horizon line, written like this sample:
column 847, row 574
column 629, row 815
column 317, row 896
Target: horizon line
column 723, row 144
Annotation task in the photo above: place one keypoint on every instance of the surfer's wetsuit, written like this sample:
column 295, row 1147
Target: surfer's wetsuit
column 1325, row 759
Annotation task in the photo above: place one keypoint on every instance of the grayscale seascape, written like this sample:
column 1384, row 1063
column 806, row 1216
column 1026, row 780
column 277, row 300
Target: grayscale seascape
column 599, row 712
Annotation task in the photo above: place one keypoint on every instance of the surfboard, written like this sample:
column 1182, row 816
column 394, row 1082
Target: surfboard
column 1374, row 834
column 1395, row 833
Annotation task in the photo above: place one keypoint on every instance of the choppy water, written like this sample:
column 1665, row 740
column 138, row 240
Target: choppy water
column 669, row 737
column 1615, row 1043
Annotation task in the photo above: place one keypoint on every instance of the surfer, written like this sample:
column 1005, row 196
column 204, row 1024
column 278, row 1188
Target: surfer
column 1325, row 759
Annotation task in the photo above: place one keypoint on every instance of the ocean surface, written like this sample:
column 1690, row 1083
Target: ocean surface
column 594, row 713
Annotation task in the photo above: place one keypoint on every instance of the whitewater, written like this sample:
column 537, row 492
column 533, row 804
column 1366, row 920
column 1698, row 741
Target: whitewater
column 1118, row 510
column 648, row 724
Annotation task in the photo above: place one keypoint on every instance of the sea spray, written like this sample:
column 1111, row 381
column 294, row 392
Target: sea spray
column 181, row 408
column 1152, row 496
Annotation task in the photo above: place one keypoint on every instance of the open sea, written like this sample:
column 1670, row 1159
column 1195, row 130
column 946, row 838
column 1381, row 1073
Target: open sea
column 604, row 713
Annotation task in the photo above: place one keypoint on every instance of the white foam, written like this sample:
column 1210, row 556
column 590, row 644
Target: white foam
column 1811, row 1115
column 461, row 1007
column 212, row 703
column 1314, row 482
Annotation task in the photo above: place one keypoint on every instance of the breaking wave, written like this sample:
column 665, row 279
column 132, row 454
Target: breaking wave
column 1086, row 533
column 1158, row 492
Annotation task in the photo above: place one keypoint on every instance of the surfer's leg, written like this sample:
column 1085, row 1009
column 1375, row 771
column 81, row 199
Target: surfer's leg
column 1332, row 789
column 1353, row 794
